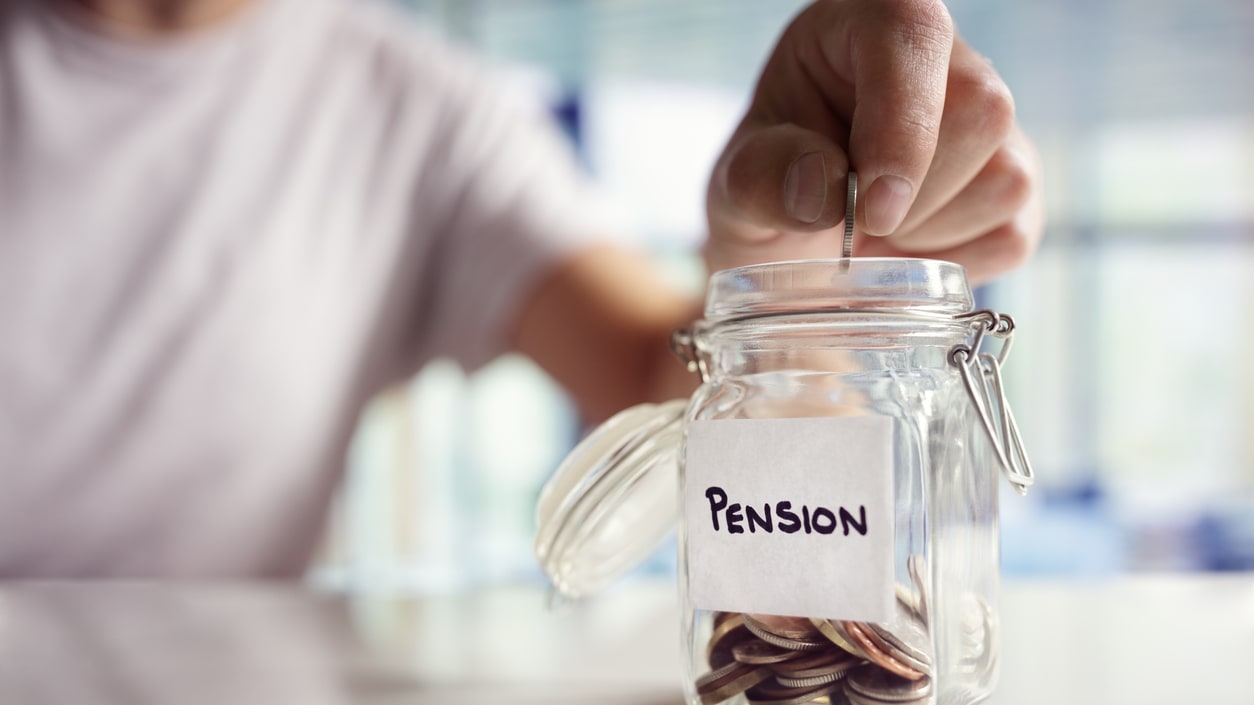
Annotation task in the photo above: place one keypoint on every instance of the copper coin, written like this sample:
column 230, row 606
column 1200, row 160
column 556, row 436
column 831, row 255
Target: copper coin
column 731, row 680
column 881, row 686
column 877, row 655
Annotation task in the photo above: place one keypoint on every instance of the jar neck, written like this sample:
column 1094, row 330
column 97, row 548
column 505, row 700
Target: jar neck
column 837, row 342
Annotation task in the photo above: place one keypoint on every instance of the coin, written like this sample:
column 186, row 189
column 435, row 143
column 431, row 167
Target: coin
column 786, row 627
column 793, row 636
column 731, row 680
column 819, row 664
column 909, row 656
column 979, row 632
column 757, row 652
column 880, row 686
column 917, row 568
column 835, row 633
column 851, row 199
column 728, row 632
column 816, row 677
column 877, row 655
column 904, row 637
column 776, row 695
column 910, row 599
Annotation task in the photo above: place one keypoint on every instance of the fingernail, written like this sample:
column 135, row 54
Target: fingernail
column 805, row 187
column 887, row 201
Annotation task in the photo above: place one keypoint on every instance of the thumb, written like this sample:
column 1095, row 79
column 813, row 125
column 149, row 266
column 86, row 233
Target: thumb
column 900, row 57
column 780, row 178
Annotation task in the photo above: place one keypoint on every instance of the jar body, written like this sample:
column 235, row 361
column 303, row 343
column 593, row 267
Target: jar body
column 944, row 563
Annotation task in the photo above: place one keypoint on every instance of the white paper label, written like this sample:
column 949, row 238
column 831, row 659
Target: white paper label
column 791, row 516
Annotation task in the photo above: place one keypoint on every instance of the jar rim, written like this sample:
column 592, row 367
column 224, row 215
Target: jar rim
column 884, row 284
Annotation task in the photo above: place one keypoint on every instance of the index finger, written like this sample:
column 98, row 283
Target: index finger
column 898, row 52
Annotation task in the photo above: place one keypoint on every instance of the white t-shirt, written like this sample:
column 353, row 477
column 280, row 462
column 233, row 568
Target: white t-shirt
column 215, row 249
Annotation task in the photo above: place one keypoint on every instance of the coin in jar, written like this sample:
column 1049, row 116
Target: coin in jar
column 774, row 694
column 835, row 633
column 795, row 633
column 760, row 653
column 904, row 637
column 917, row 568
column 815, row 664
column 816, row 677
column 729, row 681
column 877, row 655
column 873, row 686
column 726, row 635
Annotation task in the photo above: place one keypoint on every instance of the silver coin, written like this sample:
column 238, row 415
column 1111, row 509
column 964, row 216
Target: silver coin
column 816, row 664
column 809, row 642
column 777, row 695
column 882, row 686
column 906, row 638
column 760, row 653
column 852, row 698
column 917, row 568
column 833, row 674
column 979, row 634
column 851, row 199
column 878, row 653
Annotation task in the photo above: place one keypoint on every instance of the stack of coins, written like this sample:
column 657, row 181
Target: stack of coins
column 795, row 660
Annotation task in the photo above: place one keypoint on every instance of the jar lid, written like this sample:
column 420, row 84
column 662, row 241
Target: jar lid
column 613, row 499
column 921, row 286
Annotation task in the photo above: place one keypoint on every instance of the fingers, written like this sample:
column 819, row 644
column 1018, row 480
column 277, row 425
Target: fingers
column 782, row 178
column 1000, row 190
column 978, row 119
column 899, row 51
column 884, row 86
column 986, row 253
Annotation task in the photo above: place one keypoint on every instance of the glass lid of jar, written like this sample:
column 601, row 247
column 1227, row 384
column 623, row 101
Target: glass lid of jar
column 613, row 499
column 919, row 286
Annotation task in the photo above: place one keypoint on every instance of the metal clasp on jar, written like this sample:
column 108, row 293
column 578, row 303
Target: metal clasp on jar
column 683, row 344
column 981, row 374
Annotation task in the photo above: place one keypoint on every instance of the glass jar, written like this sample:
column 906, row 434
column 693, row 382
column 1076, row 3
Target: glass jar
column 835, row 481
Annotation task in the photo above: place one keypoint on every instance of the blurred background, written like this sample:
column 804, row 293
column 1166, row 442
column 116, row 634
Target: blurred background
column 1131, row 378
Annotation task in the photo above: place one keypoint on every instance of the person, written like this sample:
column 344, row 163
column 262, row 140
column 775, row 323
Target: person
column 226, row 224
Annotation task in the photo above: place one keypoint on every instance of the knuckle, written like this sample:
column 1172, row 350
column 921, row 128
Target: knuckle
column 738, row 177
column 1003, row 249
column 1013, row 179
column 1013, row 247
column 984, row 102
column 925, row 22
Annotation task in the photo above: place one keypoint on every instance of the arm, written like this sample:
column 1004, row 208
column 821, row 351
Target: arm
column 600, row 325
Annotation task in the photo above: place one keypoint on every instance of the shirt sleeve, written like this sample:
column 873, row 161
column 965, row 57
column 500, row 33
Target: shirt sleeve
column 511, row 204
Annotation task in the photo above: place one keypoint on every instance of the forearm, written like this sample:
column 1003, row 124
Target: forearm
column 600, row 325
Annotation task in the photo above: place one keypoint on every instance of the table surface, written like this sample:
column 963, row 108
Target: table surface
column 1141, row 639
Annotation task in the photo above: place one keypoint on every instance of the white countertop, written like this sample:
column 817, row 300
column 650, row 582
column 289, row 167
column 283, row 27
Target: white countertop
column 1140, row 640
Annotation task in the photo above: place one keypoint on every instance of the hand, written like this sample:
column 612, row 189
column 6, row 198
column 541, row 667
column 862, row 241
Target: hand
column 943, row 170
